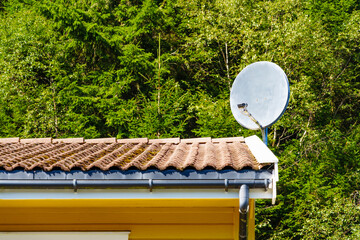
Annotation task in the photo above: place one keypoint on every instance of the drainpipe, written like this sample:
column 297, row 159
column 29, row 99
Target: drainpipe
column 243, row 209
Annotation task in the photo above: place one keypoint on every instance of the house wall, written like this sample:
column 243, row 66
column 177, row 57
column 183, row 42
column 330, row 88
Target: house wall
column 151, row 219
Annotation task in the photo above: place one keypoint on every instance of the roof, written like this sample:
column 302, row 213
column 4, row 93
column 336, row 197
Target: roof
column 47, row 154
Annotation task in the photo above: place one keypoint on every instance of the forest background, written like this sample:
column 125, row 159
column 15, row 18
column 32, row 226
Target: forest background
column 121, row 68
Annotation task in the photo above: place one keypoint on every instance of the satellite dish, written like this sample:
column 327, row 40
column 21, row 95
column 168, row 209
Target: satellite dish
column 259, row 95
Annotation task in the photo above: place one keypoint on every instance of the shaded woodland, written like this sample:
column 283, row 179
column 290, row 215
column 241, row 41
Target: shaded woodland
column 159, row 69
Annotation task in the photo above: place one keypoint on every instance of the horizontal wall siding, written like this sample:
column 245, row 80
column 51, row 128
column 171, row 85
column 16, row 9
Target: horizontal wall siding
column 117, row 215
column 185, row 221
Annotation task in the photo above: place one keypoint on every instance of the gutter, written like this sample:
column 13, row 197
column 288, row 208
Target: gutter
column 131, row 183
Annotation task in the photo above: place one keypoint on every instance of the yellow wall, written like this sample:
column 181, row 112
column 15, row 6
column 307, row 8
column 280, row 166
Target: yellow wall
column 146, row 218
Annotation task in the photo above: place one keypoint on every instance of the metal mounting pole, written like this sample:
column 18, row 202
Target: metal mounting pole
column 264, row 133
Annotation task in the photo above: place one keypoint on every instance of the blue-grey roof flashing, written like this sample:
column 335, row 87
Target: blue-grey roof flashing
column 187, row 174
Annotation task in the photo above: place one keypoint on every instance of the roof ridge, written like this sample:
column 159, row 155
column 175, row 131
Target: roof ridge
column 122, row 140
column 35, row 140
column 101, row 140
column 67, row 140
column 10, row 140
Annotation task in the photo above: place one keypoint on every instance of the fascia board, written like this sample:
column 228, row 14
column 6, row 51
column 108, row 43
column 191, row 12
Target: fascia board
column 14, row 194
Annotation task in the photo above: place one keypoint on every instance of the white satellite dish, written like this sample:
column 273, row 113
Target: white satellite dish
column 259, row 95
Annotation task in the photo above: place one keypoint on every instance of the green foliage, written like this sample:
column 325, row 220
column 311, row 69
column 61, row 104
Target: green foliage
column 28, row 69
column 214, row 117
column 91, row 68
column 336, row 219
column 332, row 13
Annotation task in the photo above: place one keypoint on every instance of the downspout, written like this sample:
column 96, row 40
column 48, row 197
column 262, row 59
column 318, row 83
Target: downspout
column 243, row 209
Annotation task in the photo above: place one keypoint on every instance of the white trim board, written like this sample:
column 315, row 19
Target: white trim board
column 131, row 194
column 260, row 151
column 64, row 235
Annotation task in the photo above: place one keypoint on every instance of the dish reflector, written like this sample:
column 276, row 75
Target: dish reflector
column 259, row 95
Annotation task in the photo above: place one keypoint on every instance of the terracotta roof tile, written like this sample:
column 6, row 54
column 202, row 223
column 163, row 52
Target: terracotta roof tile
column 101, row 140
column 199, row 140
column 36, row 140
column 68, row 140
column 230, row 139
column 9, row 140
column 133, row 140
column 165, row 140
column 140, row 153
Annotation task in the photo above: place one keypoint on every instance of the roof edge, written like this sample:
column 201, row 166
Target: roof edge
column 260, row 151
column 136, row 174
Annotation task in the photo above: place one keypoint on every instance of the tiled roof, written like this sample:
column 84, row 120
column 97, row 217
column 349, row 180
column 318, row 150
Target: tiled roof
column 111, row 153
